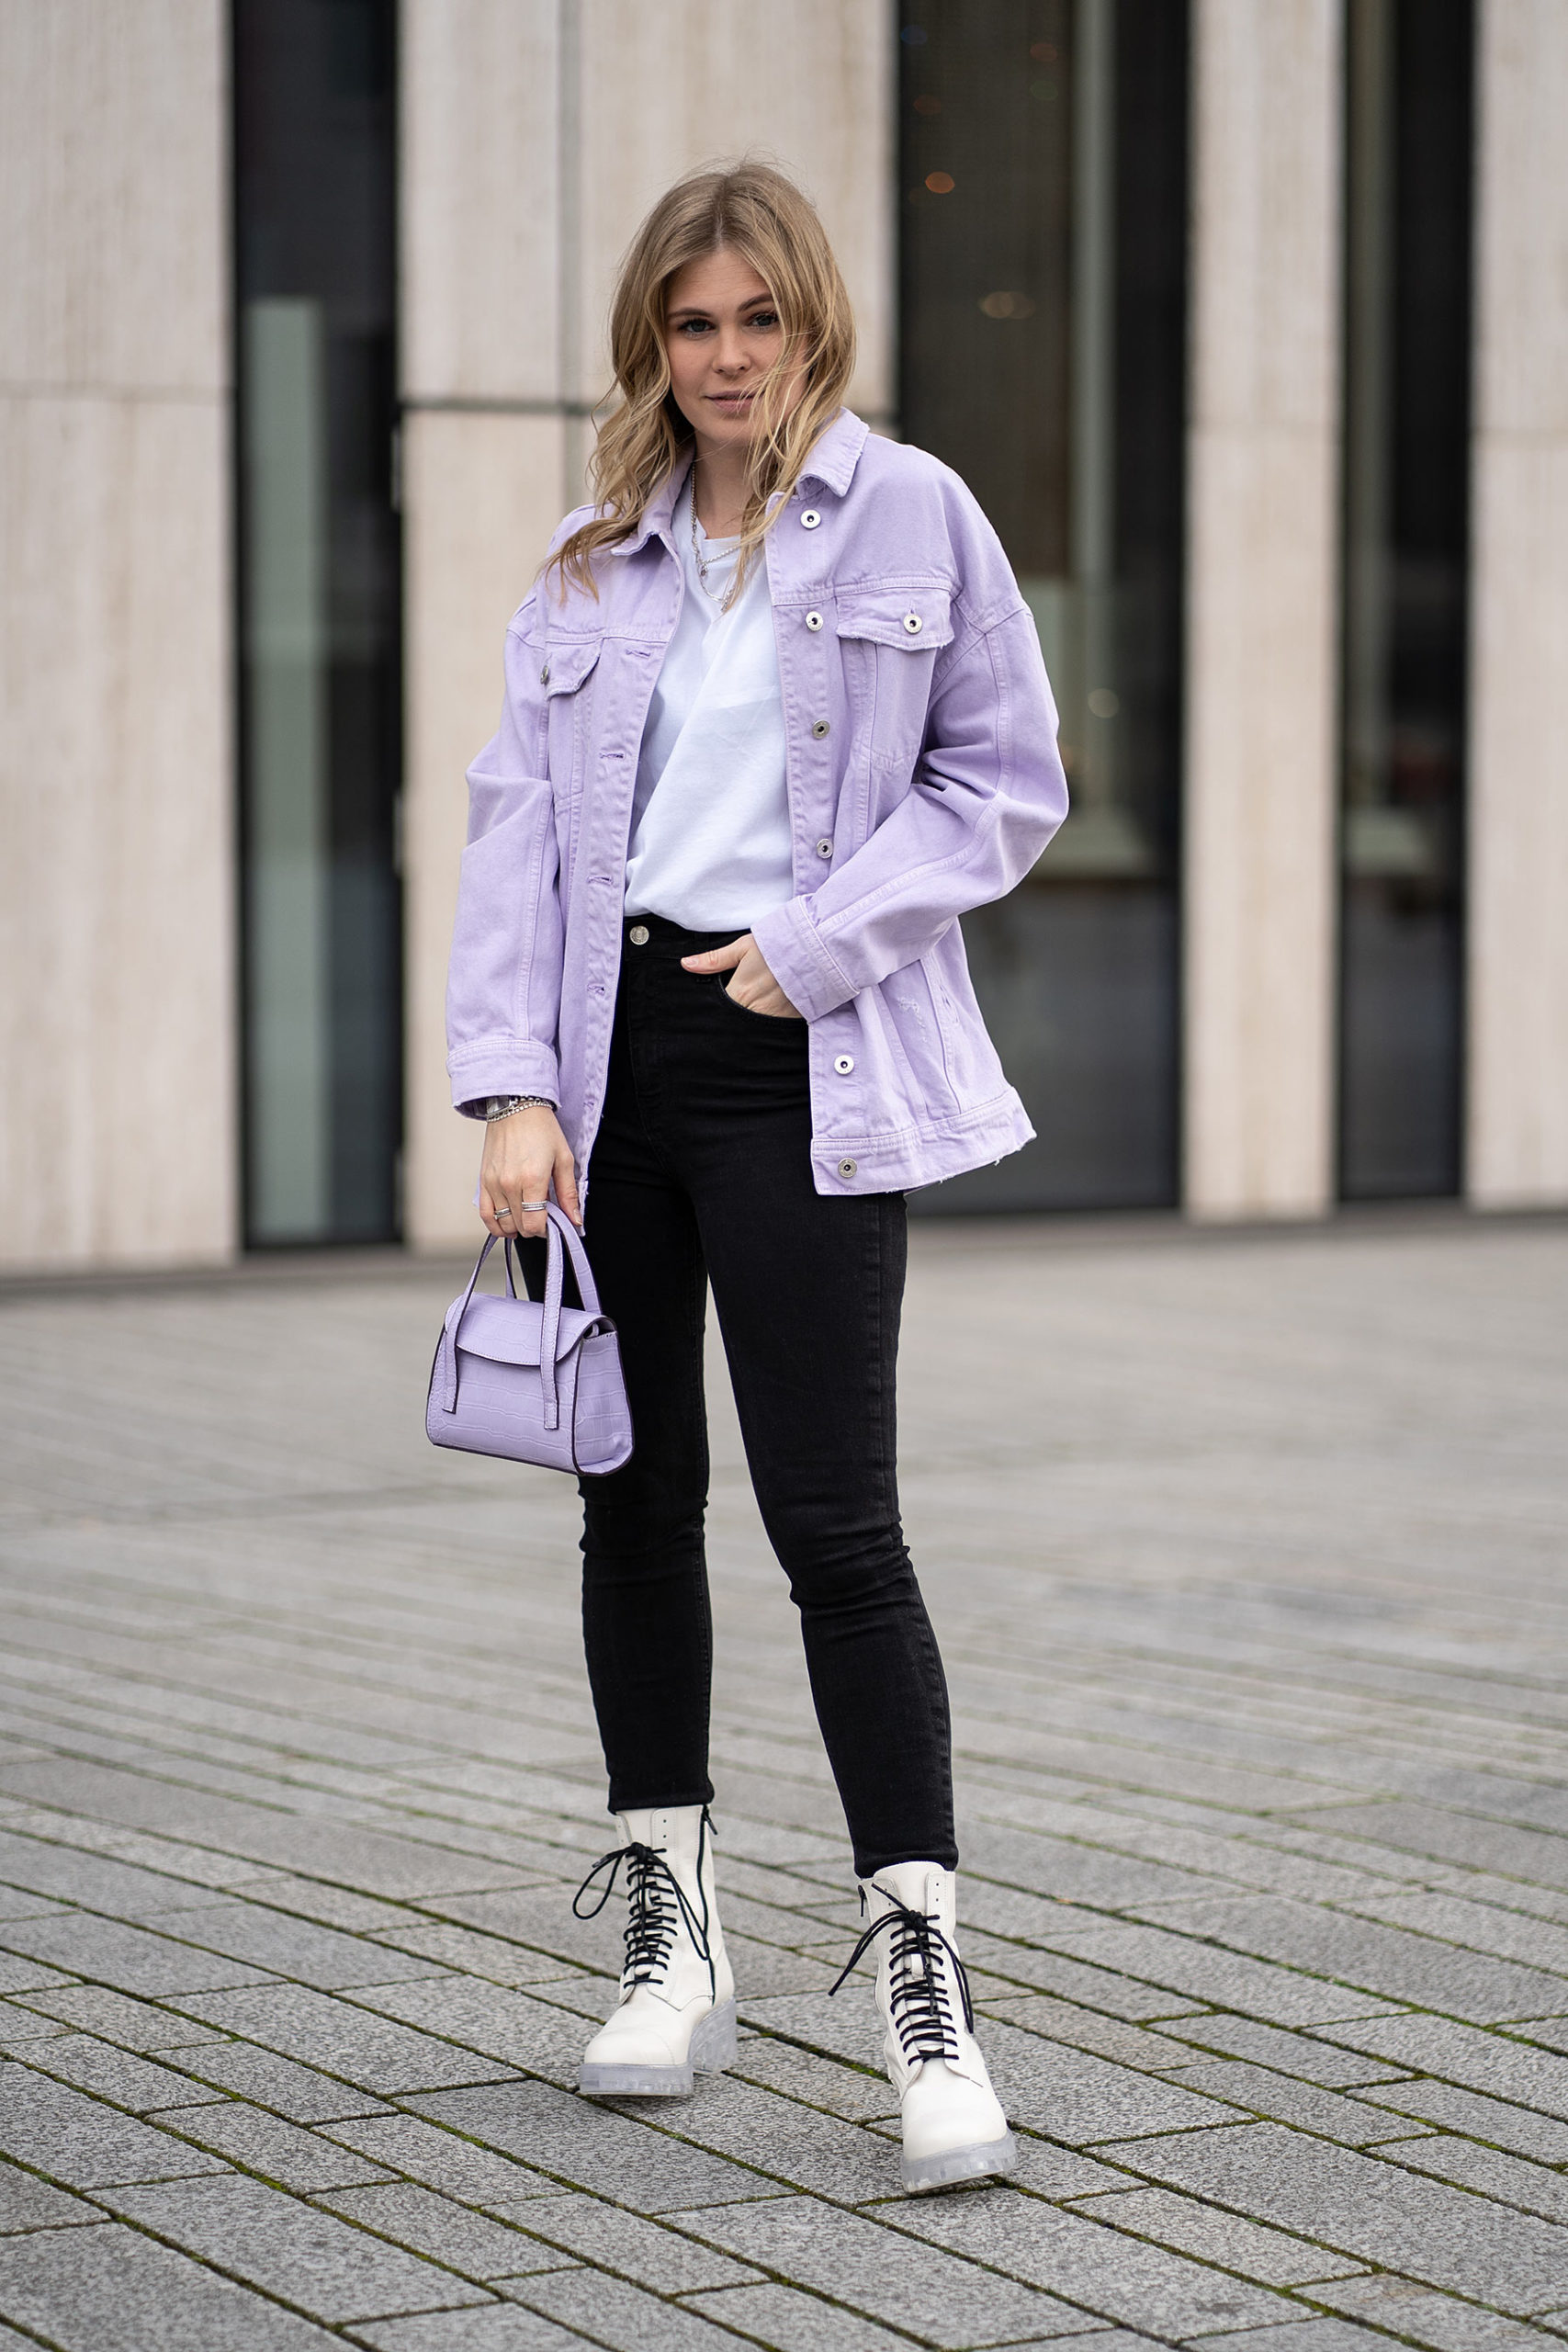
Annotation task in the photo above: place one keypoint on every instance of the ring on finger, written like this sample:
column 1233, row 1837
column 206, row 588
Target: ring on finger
column 501, row 1215
column 532, row 1208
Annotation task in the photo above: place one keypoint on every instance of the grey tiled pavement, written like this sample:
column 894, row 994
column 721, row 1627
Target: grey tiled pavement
column 1249, row 1558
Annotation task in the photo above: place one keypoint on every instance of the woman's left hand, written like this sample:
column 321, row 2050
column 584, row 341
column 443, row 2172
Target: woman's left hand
column 754, row 985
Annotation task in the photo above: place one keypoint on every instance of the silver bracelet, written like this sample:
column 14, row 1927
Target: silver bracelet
column 501, row 1106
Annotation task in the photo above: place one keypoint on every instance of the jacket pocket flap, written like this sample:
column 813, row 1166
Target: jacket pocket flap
column 510, row 1330
column 914, row 618
column 567, row 661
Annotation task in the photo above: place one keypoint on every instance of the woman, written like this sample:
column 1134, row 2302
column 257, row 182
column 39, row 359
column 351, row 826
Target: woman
column 775, row 716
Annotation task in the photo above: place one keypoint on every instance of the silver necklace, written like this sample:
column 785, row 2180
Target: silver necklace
column 701, row 560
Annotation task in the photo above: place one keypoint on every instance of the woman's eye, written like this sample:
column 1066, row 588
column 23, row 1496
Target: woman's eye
column 694, row 327
column 765, row 319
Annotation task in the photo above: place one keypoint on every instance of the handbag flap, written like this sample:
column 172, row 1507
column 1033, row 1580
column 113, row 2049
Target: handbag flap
column 509, row 1331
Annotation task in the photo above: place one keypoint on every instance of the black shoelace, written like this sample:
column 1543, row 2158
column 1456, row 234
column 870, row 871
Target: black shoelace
column 651, row 1916
column 922, row 2017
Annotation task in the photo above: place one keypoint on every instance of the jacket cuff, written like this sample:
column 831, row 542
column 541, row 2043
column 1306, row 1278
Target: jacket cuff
column 794, row 951
column 501, row 1066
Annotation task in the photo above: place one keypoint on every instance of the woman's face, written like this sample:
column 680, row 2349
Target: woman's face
column 722, row 334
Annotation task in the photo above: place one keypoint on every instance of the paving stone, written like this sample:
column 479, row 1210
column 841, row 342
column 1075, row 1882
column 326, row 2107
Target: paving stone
column 96, row 1881
column 1408, row 2310
column 301, row 2161
column 500, row 2024
column 1492, row 2119
column 825, row 2083
column 341, row 2038
column 1265, row 2091
column 19, row 2024
column 298, row 1948
column 1387, row 1961
column 111, row 2289
column 1380, row 2212
column 1511, row 2180
column 428, row 2223
column 319, row 2264
column 787, row 2143
column 1298, row 2054
column 29, row 2203
column 590, row 2146
column 620, row 2316
column 445, row 2161
column 1450, row 1837
column 81, row 2141
column 636, row 2249
column 1119, row 1995
column 876, row 2271
column 1298, row 2335
column 116, row 2018
column 131, row 1959
column 301, row 2093
column 19, row 1974
column 1498, row 2065
column 496, row 2327
column 379, row 1862
column 1080, row 2099
column 793, row 2322
column 1229, row 1980
column 1080, row 2028
column 89, row 2065
column 1104, row 2273
column 1268, row 2256
column 447, row 1945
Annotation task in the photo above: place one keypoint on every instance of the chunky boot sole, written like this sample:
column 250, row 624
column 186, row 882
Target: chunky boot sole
column 951, row 2166
column 712, row 2049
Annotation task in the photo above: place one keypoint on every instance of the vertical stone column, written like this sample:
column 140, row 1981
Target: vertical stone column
column 534, row 135
column 116, row 885
column 1517, row 1123
column 1262, row 601
column 482, row 477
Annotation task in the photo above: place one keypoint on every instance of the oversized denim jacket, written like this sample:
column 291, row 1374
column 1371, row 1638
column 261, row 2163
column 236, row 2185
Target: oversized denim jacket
column 923, row 780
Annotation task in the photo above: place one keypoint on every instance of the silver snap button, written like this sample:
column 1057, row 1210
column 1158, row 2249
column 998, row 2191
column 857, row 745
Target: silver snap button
column 824, row 847
column 638, row 935
column 810, row 519
column 912, row 623
column 819, row 728
column 544, row 675
column 849, row 1168
column 843, row 1064
column 813, row 620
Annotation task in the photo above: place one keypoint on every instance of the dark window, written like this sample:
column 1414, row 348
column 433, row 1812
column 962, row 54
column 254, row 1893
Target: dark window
column 1043, row 197
column 1407, row 498
column 318, row 615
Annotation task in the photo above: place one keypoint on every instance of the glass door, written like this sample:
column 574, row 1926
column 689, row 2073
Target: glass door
column 319, row 616
column 1043, row 251
column 1406, row 505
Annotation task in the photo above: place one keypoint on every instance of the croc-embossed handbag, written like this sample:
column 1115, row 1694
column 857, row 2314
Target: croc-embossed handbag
column 533, row 1381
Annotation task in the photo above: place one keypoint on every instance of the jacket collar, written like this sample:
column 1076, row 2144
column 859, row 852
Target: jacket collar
column 831, row 463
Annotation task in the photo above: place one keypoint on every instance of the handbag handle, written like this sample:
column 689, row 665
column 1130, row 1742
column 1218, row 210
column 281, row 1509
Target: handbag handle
column 558, row 1229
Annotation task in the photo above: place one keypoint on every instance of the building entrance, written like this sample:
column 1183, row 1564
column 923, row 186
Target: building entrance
column 1044, row 211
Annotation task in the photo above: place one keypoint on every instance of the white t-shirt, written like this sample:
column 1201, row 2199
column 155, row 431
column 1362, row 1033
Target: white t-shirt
column 710, row 834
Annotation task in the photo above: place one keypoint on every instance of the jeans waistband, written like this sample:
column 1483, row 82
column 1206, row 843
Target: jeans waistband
column 666, row 939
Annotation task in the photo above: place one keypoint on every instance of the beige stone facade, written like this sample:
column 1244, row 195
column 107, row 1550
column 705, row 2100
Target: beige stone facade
column 533, row 134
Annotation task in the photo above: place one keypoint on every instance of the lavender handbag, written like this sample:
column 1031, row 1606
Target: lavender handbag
column 534, row 1382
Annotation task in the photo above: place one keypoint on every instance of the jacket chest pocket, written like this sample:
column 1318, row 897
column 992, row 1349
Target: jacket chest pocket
column 889, row 639
column 566, row 673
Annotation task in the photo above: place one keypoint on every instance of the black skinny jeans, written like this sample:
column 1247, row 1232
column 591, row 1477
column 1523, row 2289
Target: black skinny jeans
column 702, row 1172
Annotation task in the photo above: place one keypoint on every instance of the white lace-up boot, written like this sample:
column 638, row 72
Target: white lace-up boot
column 954, row 2126
column 676, row 2014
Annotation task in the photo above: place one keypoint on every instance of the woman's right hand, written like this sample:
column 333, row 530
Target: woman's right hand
column 524, row 1154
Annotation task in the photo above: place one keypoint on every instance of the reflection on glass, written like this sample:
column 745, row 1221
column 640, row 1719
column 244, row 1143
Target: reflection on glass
column 1043, row 280
column 318, row 615
column 1406, row 435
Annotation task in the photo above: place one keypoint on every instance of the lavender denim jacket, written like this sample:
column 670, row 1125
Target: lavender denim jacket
column 923, row 779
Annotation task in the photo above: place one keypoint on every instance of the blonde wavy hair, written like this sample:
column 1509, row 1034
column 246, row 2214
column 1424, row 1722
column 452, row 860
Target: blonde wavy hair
column 753, row 210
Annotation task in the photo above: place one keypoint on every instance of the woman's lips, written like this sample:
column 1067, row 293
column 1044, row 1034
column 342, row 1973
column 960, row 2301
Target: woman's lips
column 732, row 399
